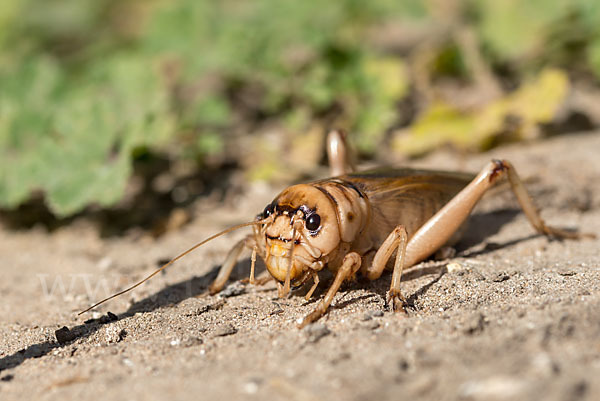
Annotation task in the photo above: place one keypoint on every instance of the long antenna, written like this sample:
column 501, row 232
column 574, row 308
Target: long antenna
column 173, row 260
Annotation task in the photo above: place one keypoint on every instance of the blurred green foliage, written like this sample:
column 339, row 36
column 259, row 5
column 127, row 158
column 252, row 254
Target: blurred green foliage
column 86, row 86
column 534, row 103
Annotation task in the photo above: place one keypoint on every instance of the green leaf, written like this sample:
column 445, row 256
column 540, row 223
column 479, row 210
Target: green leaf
column 75, row 143
column 386, row 82
column 440, row 124
column 514, row 27
column 594, row 56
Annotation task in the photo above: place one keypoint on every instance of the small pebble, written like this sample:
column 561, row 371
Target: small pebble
column 494, row 387
column 109, row 317
column 233, row 290
column 252, row 385
column 491, row 246
column 403, row 364
column 543, row 365
column 191, row 341
column 276, row 309
column 478, row 276
column 500, row 277
column 162, row 262
column 7, row 378
column 372, row 325
column 342, row 356
column 376, row 313
column 105, row 263
column 567, row 272
column 316, row 331
column 64, row 335
column 114, row 334
column 578, row 390
column 198, row 311
column 454, row 267
column 225, row 330
column 475, row 324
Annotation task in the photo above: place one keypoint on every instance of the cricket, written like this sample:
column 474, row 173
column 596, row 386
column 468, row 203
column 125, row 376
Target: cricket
column 362, row 223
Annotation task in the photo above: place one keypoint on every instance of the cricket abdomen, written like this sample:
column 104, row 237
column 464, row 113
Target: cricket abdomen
column 406, row 197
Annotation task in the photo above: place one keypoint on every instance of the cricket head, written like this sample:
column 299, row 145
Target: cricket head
column 302, row 230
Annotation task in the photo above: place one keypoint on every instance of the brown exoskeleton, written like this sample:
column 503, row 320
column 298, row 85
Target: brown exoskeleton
column 356, row 222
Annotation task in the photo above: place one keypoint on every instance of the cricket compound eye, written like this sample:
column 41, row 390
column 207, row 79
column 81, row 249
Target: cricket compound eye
column 269, row 209
column 313, row 222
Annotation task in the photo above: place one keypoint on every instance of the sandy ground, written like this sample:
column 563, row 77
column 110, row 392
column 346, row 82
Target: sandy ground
column 512, row 316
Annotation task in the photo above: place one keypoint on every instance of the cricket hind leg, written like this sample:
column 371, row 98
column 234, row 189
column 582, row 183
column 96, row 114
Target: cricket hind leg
column 438, row 230
column 443, row 227
column 532, row 212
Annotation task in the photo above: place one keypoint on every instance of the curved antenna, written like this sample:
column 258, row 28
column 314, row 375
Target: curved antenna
column 199, row 244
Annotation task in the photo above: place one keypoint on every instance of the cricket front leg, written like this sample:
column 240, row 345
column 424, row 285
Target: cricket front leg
column 229, row 263
column 440, row 228
column 350, row 265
